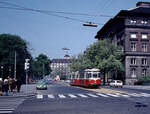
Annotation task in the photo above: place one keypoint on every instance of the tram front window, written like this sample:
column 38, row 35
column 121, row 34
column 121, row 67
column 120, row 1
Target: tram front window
column 94, row 75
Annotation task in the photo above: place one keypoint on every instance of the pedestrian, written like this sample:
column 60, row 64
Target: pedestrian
column 18, row 84
column 6, row 87
column 1, row 86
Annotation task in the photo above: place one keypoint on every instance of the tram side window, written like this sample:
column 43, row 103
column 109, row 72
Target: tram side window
column 77, row 76
column 73, row 76
column 82, row 75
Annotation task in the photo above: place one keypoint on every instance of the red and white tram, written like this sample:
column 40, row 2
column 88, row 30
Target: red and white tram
column 86, row 78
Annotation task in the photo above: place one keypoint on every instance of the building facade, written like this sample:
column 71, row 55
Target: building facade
column 61, row 67
column 131, row 30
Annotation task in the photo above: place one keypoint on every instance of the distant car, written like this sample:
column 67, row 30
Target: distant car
column 116, row 83
column 67, row 81
column 41, row 85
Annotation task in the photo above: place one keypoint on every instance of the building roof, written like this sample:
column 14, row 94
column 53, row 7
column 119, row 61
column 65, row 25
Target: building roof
column 141, row 9
column 61, row 61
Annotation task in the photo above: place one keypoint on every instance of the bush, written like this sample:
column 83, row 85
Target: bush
column 143, row 81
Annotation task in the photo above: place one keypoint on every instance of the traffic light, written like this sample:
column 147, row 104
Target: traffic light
column 27, row 65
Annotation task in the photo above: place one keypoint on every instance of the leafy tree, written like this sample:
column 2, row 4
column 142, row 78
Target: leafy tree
column 41, row 66
column 102, row 55
column 106, row 56
column 9, row 44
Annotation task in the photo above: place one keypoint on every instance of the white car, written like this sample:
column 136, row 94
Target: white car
column 116, row 83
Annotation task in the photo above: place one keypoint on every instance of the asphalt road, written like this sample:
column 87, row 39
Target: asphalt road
column 63, row 99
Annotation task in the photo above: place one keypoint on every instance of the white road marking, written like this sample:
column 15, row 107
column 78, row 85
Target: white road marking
column 123, row 95
column 61, row 96
column 92, row 95
column 134, row 94
column 81, row 95
column 72, row 96
column 39, row 96
column 102, row 95
column 113, row 95
column 145, row 94
column 6, row 111
column 51, row 96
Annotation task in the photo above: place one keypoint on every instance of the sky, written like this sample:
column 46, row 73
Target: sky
column 48, row 34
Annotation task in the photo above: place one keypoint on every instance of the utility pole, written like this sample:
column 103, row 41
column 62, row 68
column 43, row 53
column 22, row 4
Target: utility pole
column 27, row 64
column 15, row 67
column 43, row 70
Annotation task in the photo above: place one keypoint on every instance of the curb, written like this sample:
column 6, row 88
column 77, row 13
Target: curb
column 18, row 96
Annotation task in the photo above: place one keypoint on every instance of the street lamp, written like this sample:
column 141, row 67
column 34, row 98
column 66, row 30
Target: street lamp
column 90, row 24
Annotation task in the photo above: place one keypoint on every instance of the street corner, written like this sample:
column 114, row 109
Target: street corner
column 18, row 95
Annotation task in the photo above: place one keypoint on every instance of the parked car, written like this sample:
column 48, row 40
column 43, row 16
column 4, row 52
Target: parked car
column 116, row 83
column 41, row 85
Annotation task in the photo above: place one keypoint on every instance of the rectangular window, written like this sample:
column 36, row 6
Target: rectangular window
column 133, row 21
column 133, row 35
column 133, row 61
column 144, row 72
column 144, row 36
column 144, row 61
column 133, row 73
column 144, row 47
column 144, row 22
column 133, row 46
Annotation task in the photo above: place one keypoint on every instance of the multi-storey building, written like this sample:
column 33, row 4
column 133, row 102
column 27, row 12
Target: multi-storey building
column 131, row 29
column 60, row 67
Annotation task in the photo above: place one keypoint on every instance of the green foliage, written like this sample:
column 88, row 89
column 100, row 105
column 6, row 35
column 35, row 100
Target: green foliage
column 105, row 56
column 101, row 54
column 9, row 44
column 145, row 79
column 41, row 66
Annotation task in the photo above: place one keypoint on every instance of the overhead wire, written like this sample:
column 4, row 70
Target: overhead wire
column 52, row 13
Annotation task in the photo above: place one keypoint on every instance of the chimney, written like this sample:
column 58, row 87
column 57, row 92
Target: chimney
column 143, row 4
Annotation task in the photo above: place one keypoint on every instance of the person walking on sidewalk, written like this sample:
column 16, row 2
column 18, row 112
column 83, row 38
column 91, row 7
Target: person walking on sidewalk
column 6, row 87
column 1, row 86
column 18, row 84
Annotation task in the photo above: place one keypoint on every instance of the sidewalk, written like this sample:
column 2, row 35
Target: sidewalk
column 24, row 92
column 141, row 87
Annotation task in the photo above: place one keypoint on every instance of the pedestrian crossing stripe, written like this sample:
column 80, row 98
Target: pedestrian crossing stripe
column 61, row 96
column 6, row 111
column 72, row 96
column 51, row 96
column 39, row 96
column 113, row 95
column 123, row 95
column 102, row 95
column 94, row 95
column 82, row 95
